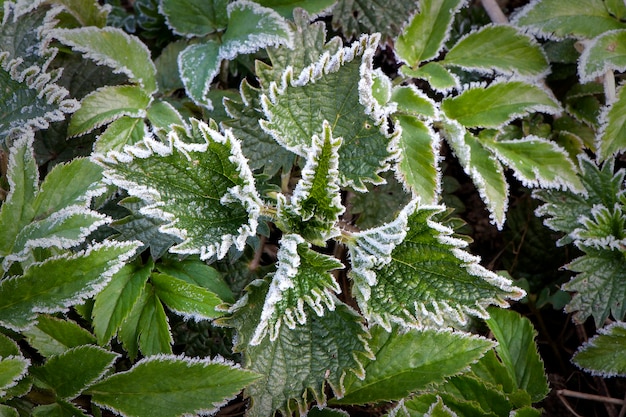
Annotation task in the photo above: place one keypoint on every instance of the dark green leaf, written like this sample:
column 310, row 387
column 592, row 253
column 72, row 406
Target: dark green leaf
column 194, row 17
column 605, row 353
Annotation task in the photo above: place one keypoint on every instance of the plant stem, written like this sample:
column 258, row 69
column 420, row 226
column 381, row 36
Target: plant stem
column 609, row 86
column 592, row 397
column 495, row 12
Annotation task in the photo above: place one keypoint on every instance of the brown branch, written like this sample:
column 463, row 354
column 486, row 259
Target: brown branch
column 592, row 397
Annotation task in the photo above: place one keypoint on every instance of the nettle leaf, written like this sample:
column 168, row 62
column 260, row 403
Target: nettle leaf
column 289, row 8
column 72, row 371
column 198, row 182
column 498, row 104
column 426, row 32
column 53, row 336
column 403, row 288
column 193, row 17
column 107, row 104
column 489, row 49
column 555, row 19
column 302, row 277
column 297, row 363
column 605, row 229
column 59, row 282
column 518, row 351
column 603, row 354
column 600, row 286
column 613, row 127
column 605, row 53
column 188, row 300
column 315, row 205
column 167, row 385
column 337, row 89
column 409, row 361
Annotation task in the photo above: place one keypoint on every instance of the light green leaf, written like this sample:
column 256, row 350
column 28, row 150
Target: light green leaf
column 409, row 361
column 438, row 77
column 153, row 326
column 413, row 101
column 613, row 129
column 53, row 336
column 6, row 411
column 162, row 115
column 115, row 302
column 198, row 64
column 439, row 409
column 427, row 31
column 72, row 371
column 518, row 351
column 405, row 288
column 287, row 8
column 498, row 104
column 491, row 370
column 86, row 13
column 166, row 386
column 12, row 369
column 301, row 360
column 527, row 412
column 604, row 354
column 419, row 152
column 464, row 388
column 602, row 228
column 58, row 409
column 557, row 19
column 499, row 48
column 121, row 132
column 616, row 8
column 537, row 162
column 188, row 300
column 600, row 286
column 193, row 17
column 59, row 282
column 302, row 277
column 315, row 205
column 114, row 48
column 605, row 53
column 337, row 89
column 8, row 347
column 198, row 182
column 107, row 104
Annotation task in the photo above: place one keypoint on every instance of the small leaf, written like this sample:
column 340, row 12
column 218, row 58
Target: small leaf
column 604, row 354
column 605, row 53
column 616, row 8
column 438, row 77
column 87, row 13
column 107, row 104
column 556, row 19
column 162, row 115
column 6, row 411
column 400, row 369
column 153, row 326
column 166, row 386
column 116, row 49
column 439, row 409
column 468, row 389
column 490, row 49
column 58, row 409
column 518, row 351
column 72, row 371
column 613, row 129
column 121, row 132
column 53, row 336
column 498, row 104
column 286, row 8
column 188, row 300
column 12, row 369
column 413, row 101
column 194, row 18
column 198, row 65
column 426, row 32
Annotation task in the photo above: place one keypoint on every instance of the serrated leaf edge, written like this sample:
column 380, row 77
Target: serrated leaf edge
column 590, row 344
column 586, row 77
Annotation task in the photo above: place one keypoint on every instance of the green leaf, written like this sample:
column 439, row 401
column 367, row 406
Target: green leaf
column 166, row 386
column 12, row 369
column 537, row 162
column 58, row 282
column 604, row 354
column 121, row 132
column 604, row 229
column 425, row 34
column 326, row 412
column 413, row 101
column 53, row 336
column 198, row 65
column 188, row 300
column 301, row 360
column 490, row 49
column 557, row 19
column 153, row 326
column 194, row 17
column 439, row 409
column 115, row 302
column 198, row 182
column 438, row 77
column 517, row 350
column 605, row 53
column 107, row 104
column 616, row 8
column 162, row 115
column 72, row 371
column 406, row 287
column 114, row 48
column 380, row 204
column 401, row 369
column 336, row 89
column 58, row 409
column 490, row 399
column 288, row 8
column 302, row 277
column 419, row 153
column 6, row 411
column 600, row 286
column 86, row 13
column 613, row 129
column 491, row 370
column 498, row 104
column 8, row 347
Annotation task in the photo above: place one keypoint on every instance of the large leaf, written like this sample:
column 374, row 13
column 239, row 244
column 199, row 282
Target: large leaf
column 604, row 354
column 193, row 17
column 518, row 351
column 166, row 386
column 409, row 361
column 498, row 104
column 59, row 282
column 427, row 280
column 337, row 89
column 613, row 129
column 606, row 52
column 559, row 19
column 114, row 48
column 490, row 49
column 53, row 336
column 427, row 31
column 198, row 182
